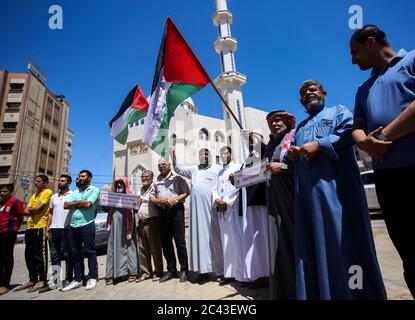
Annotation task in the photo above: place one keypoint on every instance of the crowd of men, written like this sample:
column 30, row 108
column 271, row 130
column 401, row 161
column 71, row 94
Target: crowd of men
column 305, row 233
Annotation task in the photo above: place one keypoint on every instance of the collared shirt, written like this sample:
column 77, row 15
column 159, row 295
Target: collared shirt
column 11, row 215
column 82, row 217
column 39, row 220
column 60, row 217
column 170, row 187
column 147, row 210
column 382, row 98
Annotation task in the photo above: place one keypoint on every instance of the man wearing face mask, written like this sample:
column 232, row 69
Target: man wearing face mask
column 205, row 244
column 335, row 251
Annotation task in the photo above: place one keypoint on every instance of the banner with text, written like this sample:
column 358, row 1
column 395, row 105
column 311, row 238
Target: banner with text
column 118, row 200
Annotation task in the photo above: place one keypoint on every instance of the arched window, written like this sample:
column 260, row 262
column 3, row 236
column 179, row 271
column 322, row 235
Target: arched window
column 219, row 137
column 174, row 138
column 204, row 134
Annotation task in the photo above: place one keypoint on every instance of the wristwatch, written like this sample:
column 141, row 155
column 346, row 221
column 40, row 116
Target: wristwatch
column 383, row 137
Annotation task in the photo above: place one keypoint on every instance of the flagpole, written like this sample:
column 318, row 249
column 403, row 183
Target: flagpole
column 210, row 80
column 226, row 104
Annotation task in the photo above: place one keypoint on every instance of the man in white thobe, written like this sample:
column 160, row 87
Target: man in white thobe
column 226, row 202
column 205, row 240
column 254, row 212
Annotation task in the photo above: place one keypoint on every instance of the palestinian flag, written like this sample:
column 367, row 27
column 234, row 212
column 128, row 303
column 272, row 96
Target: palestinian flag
column 178, row 75
column 134, row 107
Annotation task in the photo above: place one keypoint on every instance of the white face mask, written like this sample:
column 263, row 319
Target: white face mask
column 120, row 189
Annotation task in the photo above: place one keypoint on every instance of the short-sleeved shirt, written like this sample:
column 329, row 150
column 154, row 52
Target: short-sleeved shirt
column 40, row 219
column 382, row 98
column 147, row 210
column 82, row 217
column 170, row 187
column 60, row 217
column 11, row 215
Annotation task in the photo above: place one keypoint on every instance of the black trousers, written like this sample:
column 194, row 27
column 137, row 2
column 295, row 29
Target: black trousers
column 59, row 250
column 36, row 254
column 171, row 222
column 7, row 241
column 395, row 200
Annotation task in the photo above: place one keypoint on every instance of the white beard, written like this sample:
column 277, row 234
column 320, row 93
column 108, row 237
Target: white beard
column 314, row 103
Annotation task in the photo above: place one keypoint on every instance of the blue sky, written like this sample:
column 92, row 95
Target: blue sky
column 106, row 47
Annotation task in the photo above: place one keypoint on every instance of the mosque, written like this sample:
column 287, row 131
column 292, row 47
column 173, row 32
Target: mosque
column 191, row 131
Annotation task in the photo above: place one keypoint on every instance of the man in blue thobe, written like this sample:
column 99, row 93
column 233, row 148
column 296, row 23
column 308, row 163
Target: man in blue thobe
column 335, row 251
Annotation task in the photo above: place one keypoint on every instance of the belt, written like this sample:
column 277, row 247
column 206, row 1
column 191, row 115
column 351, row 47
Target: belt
column 148, row 219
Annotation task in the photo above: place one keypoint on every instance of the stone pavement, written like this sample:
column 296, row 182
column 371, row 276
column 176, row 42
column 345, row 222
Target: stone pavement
column 389, row 261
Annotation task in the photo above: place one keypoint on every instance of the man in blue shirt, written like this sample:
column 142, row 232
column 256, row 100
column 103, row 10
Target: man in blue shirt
column 82, row 202
column 384, row 127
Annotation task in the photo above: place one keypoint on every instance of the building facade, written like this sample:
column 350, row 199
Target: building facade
column 189, row 132
column 34, row 131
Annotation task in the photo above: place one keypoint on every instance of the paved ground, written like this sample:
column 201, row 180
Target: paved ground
column 173, row 289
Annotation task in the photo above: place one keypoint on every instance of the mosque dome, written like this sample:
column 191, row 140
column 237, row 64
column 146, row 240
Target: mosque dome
column 189, row 104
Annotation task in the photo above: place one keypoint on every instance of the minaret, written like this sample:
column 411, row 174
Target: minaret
column 230, row 81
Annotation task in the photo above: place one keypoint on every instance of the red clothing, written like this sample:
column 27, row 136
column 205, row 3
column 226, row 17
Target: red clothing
column 11, row 215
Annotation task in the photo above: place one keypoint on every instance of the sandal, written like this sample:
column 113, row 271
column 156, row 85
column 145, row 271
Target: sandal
column 132, row 279
column 26, row 285
column 109, row 281
column 142, row 278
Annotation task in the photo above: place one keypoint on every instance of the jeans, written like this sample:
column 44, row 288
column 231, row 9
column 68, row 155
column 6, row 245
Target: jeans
column 85, row 236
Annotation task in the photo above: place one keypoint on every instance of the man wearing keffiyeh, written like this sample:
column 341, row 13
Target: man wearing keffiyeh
column 280, row 200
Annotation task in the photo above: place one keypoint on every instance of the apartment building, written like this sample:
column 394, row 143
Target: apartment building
column 34, row 134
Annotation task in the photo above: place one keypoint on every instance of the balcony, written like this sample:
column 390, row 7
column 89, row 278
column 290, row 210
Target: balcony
column 222, row 15
column 15, row 97
column 230, row 78
column 6, row 160
column 224, row 43
column 8, row 136
column 11, row 115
